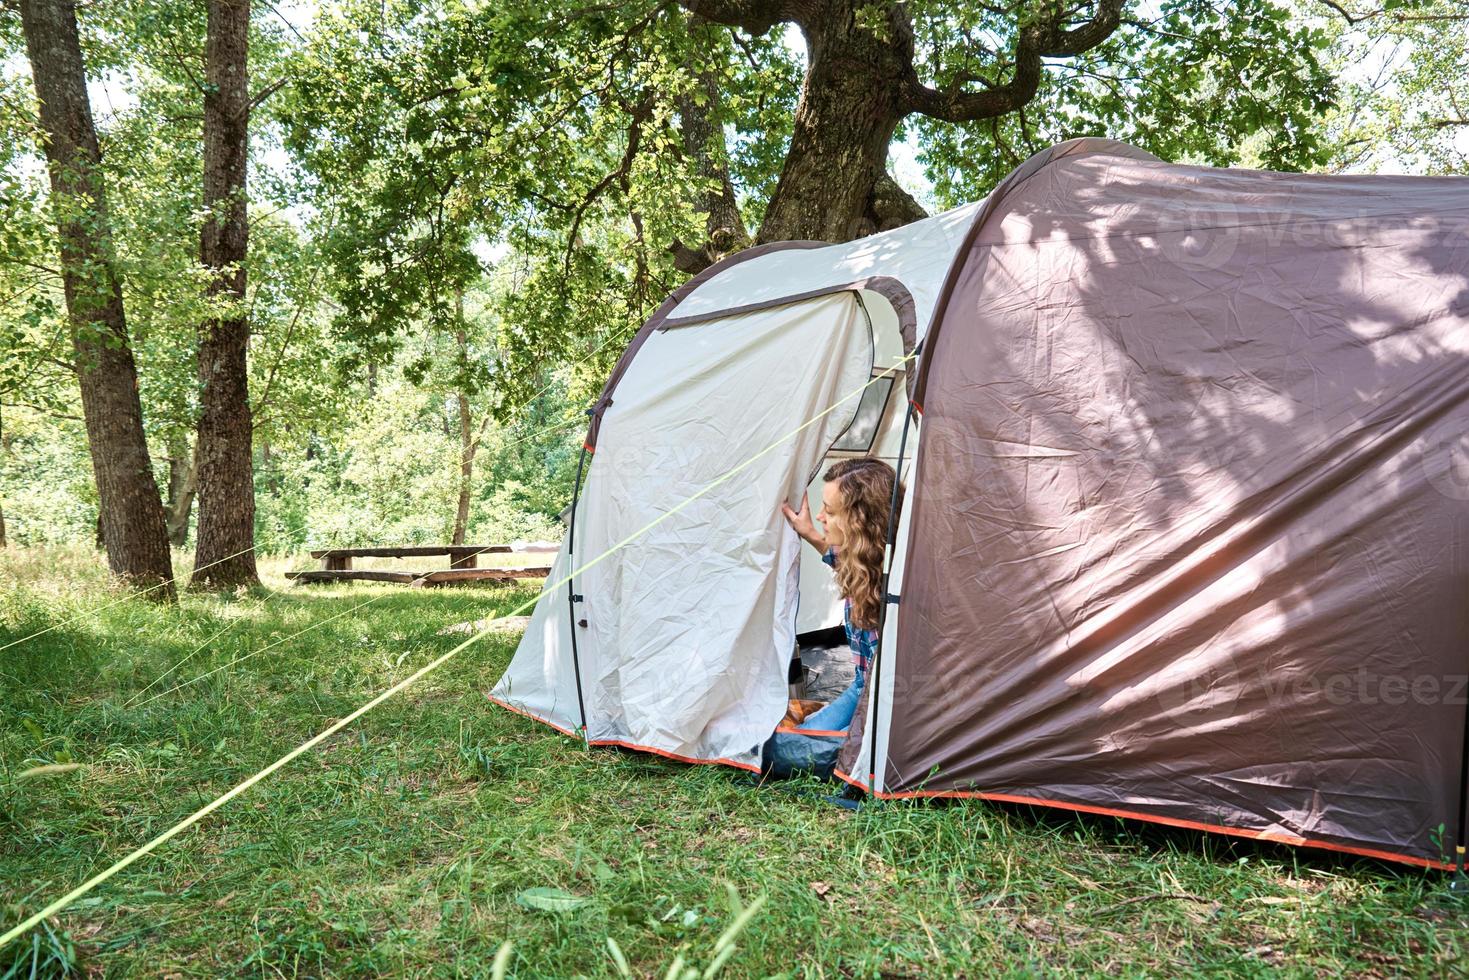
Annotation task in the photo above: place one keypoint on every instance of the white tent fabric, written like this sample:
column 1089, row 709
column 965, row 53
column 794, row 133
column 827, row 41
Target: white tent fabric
column 541, row 679
column 917, row 255
column 690, row 630
column 728, row 382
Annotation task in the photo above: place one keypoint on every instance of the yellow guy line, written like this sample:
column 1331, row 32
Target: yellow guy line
column 407, row 682
column 273, row 643
column 130, row 595
column 321, row 622
column 189, row 656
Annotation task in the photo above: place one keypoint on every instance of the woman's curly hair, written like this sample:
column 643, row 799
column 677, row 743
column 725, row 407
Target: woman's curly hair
column 865, row 494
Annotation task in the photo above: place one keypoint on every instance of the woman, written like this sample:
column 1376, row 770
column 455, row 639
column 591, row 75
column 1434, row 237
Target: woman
column 855, row 500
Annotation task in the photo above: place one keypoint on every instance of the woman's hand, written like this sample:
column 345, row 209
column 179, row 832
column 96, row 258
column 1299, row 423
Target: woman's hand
column 801, row 521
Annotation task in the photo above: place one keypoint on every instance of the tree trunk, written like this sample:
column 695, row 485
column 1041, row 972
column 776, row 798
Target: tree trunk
column 861, row 81
column 466, row 436
column 4, row 451
column 130, row 517
column 466, row 470
column 183, row 474
column 703, row 138
column 850, row 105
column 224, row 548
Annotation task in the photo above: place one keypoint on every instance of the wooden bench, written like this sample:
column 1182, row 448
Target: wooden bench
column 463, row 565
column 450, row 576
column 352, row 575
column 460, row 555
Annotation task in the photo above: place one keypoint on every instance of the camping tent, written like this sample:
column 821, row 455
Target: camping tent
column 1187, row 536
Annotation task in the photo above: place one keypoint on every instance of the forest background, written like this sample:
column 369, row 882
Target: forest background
column 371, row 260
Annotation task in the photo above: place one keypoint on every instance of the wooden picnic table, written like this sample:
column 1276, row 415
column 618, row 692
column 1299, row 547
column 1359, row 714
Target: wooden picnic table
column 336, row 565
column 460, row 555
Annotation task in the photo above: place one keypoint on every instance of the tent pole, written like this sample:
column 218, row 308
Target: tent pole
column 882, row 608
column 571, row 597
column 1459, row 841
column 1459, row 883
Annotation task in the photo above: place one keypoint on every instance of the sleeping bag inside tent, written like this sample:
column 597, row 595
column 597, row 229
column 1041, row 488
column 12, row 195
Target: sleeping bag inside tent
column 1186, row 536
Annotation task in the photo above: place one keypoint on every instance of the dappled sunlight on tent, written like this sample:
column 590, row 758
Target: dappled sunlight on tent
column 1187, row 520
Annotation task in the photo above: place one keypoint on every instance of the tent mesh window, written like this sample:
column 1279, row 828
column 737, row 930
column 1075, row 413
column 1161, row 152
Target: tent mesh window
column 860, row 434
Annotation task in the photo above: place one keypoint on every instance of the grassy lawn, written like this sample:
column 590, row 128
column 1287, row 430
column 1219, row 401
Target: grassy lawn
column 408, row 842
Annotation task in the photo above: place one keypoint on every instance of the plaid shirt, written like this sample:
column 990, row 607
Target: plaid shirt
column 863, row 642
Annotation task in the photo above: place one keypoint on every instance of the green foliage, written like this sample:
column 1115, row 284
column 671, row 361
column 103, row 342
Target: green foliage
column 388, row 473
column 442, row 131
column 1404, row 67
column 49, row 495
column 48, row 953
column 528, row 160
column 759, row 97
column 32, row 335
column 1191, row 81
column 152, row 176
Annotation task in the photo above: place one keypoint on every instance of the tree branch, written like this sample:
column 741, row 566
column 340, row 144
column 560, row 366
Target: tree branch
column 755, row 16
column 289, row 26
column 1402, row 18
column 1037, row 40
column 702, row 136
column 1350, row 17
column 1147, row 27
column 32, row 265
column 265, row 93
column 641, row 113
column 280, row 355
column 44, row 410
column 184, row 65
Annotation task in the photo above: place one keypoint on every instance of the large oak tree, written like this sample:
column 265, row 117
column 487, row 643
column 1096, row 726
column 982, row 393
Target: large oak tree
column 616, row 148
column 862, row 80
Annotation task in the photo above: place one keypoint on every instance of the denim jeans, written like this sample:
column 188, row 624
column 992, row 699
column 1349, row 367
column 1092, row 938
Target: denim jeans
column 837, row 716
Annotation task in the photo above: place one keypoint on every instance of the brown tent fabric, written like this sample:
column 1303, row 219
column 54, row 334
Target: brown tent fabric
column 1190, row 534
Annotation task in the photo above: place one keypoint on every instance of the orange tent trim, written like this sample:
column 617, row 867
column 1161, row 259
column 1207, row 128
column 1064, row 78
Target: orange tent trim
column 1273, row 836
column 748, row 767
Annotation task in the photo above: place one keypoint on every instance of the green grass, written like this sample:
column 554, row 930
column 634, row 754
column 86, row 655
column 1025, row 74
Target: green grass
column 402, row 845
